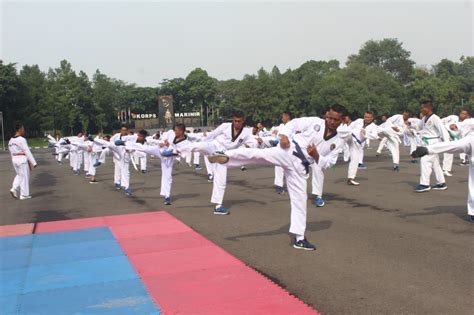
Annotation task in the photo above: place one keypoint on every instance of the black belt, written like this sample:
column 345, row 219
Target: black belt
column 299, row 154
column 358, row 141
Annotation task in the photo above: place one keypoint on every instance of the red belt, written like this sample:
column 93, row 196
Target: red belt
column 19, row 154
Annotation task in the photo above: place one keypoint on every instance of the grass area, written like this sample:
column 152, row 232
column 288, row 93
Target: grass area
column 37, row 142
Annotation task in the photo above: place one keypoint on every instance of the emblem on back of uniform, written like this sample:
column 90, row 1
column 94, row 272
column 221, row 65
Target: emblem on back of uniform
column 317, row 128
column 333, row 146
column 430, row 123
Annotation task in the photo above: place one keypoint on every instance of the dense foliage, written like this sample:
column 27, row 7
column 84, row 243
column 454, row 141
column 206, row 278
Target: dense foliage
column 381, row 76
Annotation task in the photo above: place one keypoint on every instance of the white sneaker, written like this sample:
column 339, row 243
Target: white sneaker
column 447, row 173
column 14, row 193
column 25, row 197
column 352, row 182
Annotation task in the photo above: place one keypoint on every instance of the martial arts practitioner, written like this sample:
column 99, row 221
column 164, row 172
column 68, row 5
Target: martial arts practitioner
column 394, row 128
column 227, row 136
column 91, row 147
column 462, row 129
column 170, row 140
column 279, row 177
column 411, row 134
column 121, row 160
column 383, row 141
column 465, row 145
column 295, row 154
column 23, row 162
column 76, row 155
column 360, row 131
column 431, row 131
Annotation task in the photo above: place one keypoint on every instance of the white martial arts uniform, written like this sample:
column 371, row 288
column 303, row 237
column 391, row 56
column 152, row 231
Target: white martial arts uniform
column 393, row 137
column 431, row 131
column 296, row 168
column 465, row 145
column 22, row 160
column 448, row 157
column 220, row 140
column 279, row 176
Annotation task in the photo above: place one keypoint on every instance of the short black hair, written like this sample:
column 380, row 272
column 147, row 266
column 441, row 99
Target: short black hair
column 18, row 126
column 180, row 126
column 427, row 103
column 143, row 132
column 287, row 112
column 408, row 111
column 369, row 112
column 338, row 108
column 465, row 109
column 238, row 114
column 124, row 126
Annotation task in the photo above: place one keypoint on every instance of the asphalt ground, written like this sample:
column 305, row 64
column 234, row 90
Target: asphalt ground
column 382, row 248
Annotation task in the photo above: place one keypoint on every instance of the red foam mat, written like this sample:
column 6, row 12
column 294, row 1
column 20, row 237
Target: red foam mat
column 17, row 229
column 184, row 272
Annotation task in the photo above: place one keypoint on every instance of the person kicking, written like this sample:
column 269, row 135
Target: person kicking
column 295, row 155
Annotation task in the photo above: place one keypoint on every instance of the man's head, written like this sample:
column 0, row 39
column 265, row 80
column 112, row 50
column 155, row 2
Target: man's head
column 179, row 130
column 406, row 114
column 20, row 129
column 286, row 116
column 384, row 118
column 426, row 108
column 464, row 114
column 368, row 117
column 80, row 134
column 334, row 116
column 254, row 130
column 157, row 135
column 124, row 130
column 141, row 136
column 238, row 120
column 260, row 126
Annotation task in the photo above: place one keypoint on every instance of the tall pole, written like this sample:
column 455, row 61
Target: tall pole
column 202, row 122
column 3, row 133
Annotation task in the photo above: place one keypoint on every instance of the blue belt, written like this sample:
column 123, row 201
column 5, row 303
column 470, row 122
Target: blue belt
column 300, row 155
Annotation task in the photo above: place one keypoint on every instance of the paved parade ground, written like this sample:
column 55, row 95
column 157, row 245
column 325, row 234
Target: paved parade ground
column 382, row 248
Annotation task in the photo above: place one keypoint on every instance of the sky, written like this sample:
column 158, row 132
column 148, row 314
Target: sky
column 149, row 41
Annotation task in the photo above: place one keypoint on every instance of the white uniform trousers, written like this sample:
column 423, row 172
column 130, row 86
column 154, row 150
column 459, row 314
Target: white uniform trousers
column 456, row 146
column 317, row 180
column 86, row 157
column 448, row 161
column 279, row 177
column 22, row 178
column 294, row 172
column 355, row 159
column 382, row 143
column 166, row 176
column 430, row 163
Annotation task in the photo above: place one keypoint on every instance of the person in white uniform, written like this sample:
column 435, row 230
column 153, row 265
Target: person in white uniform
column 286, row 117
column 295, row 155
column 448, row 157
column 465, row 145
column 227, row 136
column 431, row 131
column 23, row 162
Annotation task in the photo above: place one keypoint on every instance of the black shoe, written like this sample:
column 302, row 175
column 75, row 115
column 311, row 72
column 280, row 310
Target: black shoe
column 167, row 201
column 144, row 171
column 440, row 187
column 279, row 190
column 471, row 218
column 303, row 244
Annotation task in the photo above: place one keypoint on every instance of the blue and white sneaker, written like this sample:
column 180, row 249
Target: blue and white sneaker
column 471, row 218
column 210, row 178
column 128, row 192
column 396, row 168
column 117, row 186
column 197, row 167
column 119, row 142
column 97, row 164
column 319, row 202
column 279, row 190
column 303, row 244
column 362, row 166
column 243, row 168
column 167, row 201
column 422, row 188
column 414, row 161
column 440, row 187
column 77, row 173
column 221, row 210
column 144, row 171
